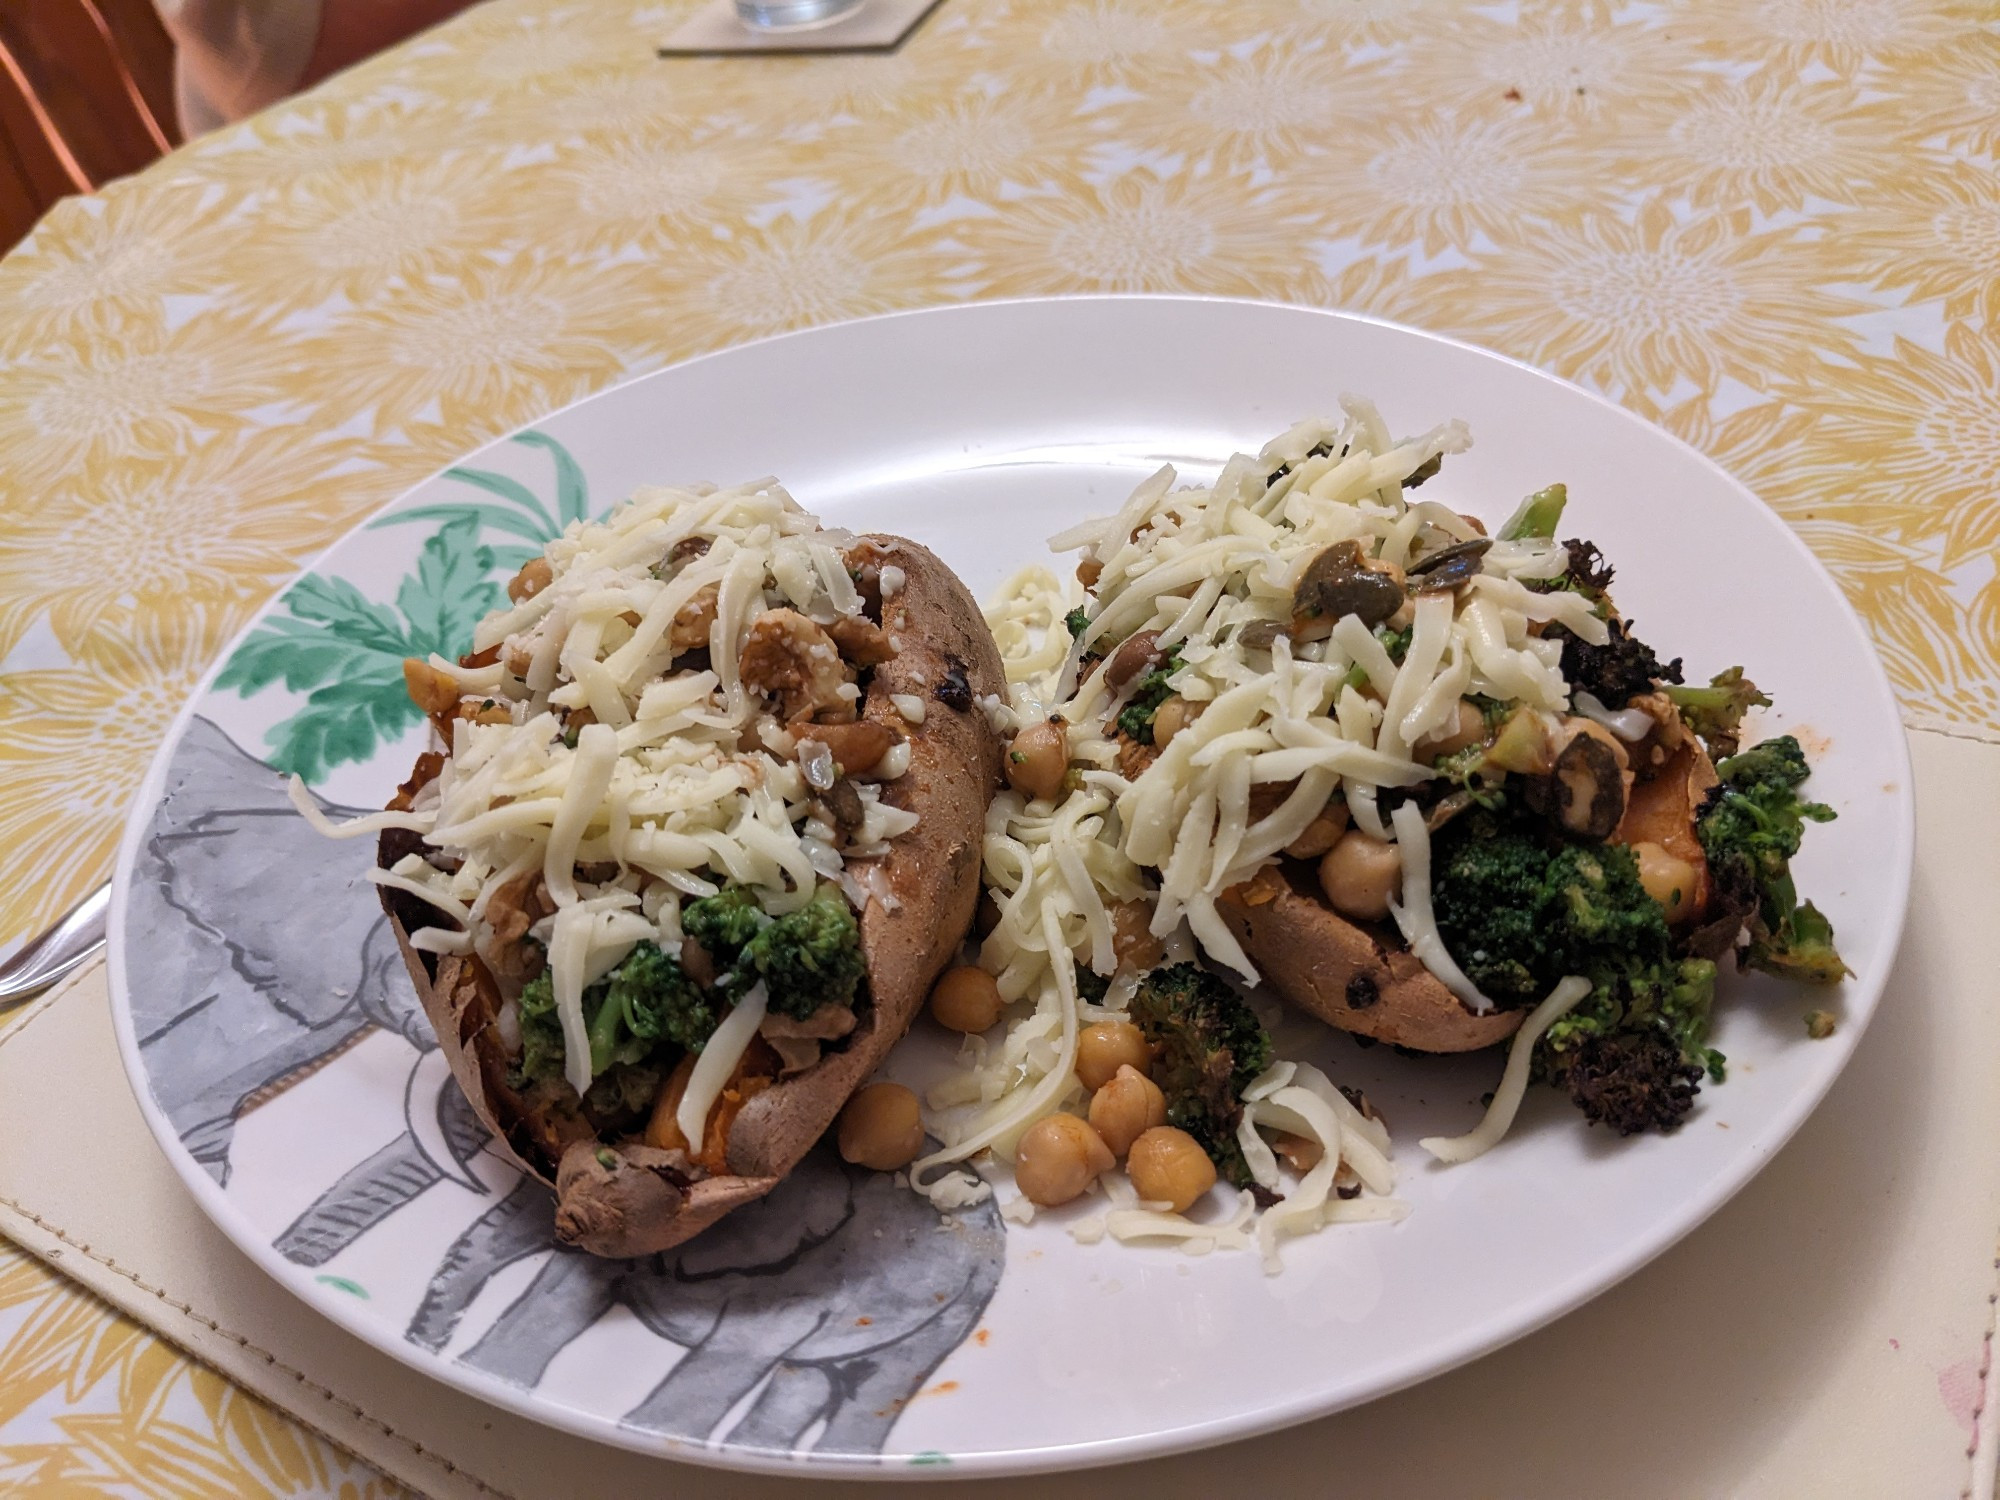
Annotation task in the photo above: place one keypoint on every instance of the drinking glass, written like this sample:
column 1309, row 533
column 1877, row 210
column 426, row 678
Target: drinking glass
column 774, row 15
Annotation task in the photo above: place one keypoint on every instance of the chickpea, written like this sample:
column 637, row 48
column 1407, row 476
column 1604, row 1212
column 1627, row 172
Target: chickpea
column 1059, row 1156
column 1467, row 728
column 1166, row 1166
column 1038, row 760
column 535, row 575
column 1360, row 875
column 966, row 999
column 1132, row 936
column 1105, row 1046
column 1668, row 879
column 881, row 1128
column 1321, row 834
column 1170, row 718
column 1128, row 1106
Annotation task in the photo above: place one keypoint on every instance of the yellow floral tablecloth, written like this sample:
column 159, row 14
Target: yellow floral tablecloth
column 1771, row 225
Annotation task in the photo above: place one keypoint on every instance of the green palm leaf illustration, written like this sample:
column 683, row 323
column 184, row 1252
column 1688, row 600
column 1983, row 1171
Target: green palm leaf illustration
column 345, row 653
column 516, row 509
column 572, row 494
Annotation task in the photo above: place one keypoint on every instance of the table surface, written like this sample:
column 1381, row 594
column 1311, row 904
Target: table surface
column 1770, row 225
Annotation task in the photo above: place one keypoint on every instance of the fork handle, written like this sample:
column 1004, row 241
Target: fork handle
column 45, row 959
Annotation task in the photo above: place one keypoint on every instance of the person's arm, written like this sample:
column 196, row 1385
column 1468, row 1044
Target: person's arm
column 234, row 57
column 350, row 30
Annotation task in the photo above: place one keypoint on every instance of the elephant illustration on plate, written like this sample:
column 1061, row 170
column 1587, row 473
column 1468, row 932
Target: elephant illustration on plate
column 265, row 955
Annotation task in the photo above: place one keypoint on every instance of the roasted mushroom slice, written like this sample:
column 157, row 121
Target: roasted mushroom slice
column 1337, row 582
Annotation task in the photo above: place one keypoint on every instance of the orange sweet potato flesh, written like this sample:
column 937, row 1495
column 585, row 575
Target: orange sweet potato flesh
column 629, row 1198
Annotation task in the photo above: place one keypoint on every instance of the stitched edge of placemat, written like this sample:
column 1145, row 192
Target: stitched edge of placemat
column 21, row 1214
column 1984, row 1449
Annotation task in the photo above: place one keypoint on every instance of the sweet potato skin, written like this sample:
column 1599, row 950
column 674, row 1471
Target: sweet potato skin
column 1325, row 964
column 630, row 1199
column 948, row 659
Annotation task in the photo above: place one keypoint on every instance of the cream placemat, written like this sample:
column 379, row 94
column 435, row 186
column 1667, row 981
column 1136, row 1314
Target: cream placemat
column 1829, row 1333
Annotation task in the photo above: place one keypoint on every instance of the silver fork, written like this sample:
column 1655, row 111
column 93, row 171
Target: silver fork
column 77, row 935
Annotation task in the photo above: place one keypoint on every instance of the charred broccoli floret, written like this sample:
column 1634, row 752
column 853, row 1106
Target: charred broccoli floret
column 809, row 958
column 1632, row 1081
column 1588, row 571
column 1519, row 909
column 1135, row 720
column 1716, row 712
column 1207, row 1047
column 1616, row 672
column 1750, row 829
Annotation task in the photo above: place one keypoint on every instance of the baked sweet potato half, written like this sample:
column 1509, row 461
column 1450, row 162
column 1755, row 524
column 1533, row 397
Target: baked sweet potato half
column 858, row 736
column 1361, row 978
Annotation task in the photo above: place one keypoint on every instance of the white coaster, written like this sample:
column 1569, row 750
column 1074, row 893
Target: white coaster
column 871, row 26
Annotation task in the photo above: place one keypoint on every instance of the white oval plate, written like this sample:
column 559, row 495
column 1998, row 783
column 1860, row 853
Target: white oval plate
column 275, row 1046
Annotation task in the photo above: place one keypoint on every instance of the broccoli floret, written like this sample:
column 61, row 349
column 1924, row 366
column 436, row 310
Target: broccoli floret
column 541, row 1033
column 647, row 1001
column 1716, row 712
column 1135, row 720
column 1750, row 829
column 809, row 958
column 1519, row 910
column 722, row 924
column 1487, row 880
column 1537, row 516
column 1076, row 622
column 1207, row 1047
column 649, row 1007
column 1632, row 1081
column 1616, row 672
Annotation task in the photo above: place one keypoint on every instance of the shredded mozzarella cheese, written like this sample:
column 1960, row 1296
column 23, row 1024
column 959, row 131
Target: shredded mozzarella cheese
column 1499, row 1116
column 717, row 1060
column 625, row 785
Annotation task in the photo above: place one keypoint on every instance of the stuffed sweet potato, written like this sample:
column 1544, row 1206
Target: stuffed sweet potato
column 1412, row 776
column 706, row 828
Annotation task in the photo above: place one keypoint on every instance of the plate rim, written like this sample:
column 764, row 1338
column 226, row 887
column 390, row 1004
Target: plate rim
column 1517, row 1321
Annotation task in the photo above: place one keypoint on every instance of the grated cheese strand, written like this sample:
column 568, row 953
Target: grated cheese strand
column 1413, row 914
column 1499, row 1116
